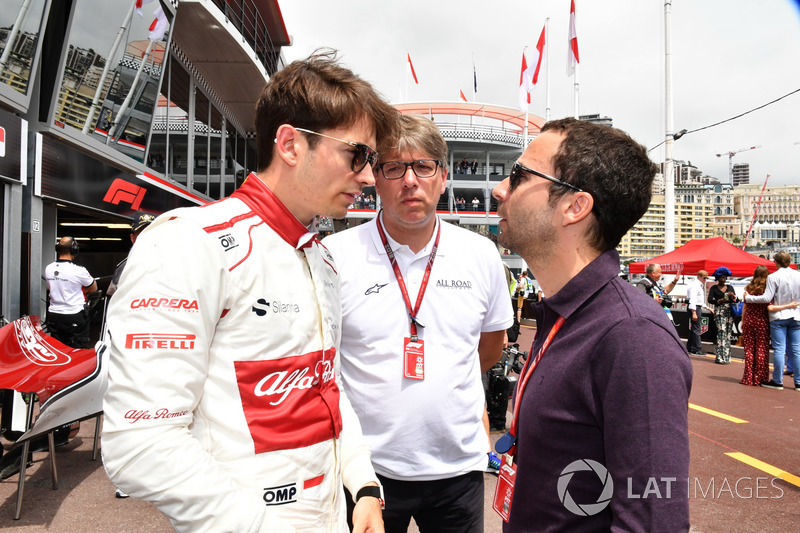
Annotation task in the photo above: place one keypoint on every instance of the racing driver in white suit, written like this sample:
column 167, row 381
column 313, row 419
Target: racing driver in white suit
column 224, row 406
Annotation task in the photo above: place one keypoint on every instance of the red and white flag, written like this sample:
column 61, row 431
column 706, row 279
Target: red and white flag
column 539, row 53
column 573, row 58
column 410, row 64
column 139, row 4
column 159, row 26
column 461, row 94
column 525, row 85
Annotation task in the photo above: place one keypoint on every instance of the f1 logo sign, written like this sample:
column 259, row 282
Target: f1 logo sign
column 125, row 191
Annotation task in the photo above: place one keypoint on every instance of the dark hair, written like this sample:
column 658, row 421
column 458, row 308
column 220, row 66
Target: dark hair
column 318, row 94
column 67, row 245
column 608, row 164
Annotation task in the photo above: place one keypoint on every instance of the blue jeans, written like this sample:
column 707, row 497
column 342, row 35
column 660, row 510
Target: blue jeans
column 784, row 332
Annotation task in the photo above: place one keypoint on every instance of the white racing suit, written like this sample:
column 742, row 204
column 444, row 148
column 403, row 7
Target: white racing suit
column 224, row 406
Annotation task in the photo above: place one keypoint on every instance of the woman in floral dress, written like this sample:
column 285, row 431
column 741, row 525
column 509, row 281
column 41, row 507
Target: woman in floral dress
column 721, row 296
column 755, row 331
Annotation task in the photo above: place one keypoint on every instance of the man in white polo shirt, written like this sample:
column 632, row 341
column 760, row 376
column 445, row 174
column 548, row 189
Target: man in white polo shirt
column 68, row 283
column 424, row 312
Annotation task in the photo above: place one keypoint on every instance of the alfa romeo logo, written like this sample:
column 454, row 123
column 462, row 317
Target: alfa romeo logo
column 585, row 509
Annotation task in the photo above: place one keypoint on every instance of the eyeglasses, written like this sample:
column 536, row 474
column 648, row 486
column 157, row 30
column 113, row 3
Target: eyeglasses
column 362, row 153
column 515, row 177
column 423, row 168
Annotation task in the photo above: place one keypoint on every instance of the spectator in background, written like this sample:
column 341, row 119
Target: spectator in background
column 696, row 296
column 524, row 287
column 141, row 221
column 67, row 284
column 783, row 287
column 755, row 330
column 721, row 296
column 651, row 283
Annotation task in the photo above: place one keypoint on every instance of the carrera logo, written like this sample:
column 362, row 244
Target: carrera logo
column 37, row 352
column 124, row 191
column 160, row 341
column 290, row 402
column 164, row 303
column 280, row 495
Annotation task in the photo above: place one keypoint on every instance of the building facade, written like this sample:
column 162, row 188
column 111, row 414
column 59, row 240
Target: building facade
column 107, row 110
column 741, row 174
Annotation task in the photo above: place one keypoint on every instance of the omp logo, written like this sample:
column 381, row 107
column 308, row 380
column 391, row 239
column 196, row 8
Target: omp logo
column 227, row 241
column 280, row 495
column 375, row 289
column 125, row 191
column 163, row 303
column 37, row 352
column 160, row 341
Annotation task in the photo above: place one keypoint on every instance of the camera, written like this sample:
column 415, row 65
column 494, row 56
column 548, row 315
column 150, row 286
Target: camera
column 512, row 360
column 500, row 385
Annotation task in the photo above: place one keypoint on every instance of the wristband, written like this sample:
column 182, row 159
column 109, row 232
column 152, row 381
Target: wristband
column 372, row 491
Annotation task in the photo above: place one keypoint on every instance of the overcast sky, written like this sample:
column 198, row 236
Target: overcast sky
column 728, row 57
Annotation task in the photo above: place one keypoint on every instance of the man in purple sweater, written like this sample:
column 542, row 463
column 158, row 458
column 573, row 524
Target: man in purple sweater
column 600, row 435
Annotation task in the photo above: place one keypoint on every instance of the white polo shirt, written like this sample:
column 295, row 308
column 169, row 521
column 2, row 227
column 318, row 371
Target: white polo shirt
column 428, row 429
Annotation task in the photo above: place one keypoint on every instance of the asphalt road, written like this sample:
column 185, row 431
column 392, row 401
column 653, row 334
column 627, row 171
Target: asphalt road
column 745, row 444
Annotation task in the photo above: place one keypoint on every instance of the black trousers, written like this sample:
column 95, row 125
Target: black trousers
column 453, row 505
column 72, row 330
column 693, row 343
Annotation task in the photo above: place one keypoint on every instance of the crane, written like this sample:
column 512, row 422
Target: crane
column 755, row 212
column 730, row 160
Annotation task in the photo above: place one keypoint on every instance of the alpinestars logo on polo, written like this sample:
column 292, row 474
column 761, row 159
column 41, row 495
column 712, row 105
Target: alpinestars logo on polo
column 375, row 289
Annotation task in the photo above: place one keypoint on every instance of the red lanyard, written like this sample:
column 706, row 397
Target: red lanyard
column 527, row 372
column 412, row 313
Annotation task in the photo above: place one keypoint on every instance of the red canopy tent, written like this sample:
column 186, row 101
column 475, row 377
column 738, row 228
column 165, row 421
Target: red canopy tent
column 708, row 255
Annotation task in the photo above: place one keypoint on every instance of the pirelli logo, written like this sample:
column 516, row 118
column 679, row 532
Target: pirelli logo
column 160, row 341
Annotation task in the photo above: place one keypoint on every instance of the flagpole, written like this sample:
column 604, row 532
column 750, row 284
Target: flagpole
column 525, row 125
column 525, row 132
column 111, row 53
column 13, row 35
column 124, row 107
column 577, row 92
column 407, row 67
column 574, row 60
column 547, row 70
column 474, row 80
column 669, row 180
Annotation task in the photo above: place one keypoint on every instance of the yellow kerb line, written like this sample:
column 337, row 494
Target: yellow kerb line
column 711, row 412
column 764, row 467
